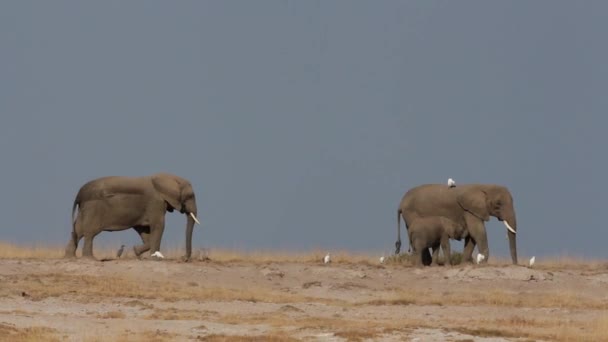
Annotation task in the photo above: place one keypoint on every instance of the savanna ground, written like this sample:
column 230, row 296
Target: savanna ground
column 273, row 296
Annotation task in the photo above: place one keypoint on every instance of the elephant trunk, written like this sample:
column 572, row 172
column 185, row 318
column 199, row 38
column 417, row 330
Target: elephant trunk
column 511, row 224
column 513, row 247
column 189, row 228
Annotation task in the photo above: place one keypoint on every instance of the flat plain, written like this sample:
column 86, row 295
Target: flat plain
column 275, row 296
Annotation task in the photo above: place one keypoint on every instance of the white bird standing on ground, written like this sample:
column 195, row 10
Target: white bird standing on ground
column 532, row 259
column 120, row 250
column 480, row 257
column 451, row 183
column 382, row 259
column 158, row 254
column 327, row 259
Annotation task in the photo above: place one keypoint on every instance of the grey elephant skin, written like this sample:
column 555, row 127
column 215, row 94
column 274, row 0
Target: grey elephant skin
column 117, row 203
column 433, row 232
column 469, row 205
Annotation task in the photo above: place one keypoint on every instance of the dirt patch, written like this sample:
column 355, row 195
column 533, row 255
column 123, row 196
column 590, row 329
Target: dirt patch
column 146, row 300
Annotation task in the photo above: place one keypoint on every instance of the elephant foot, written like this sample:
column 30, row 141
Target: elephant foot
column 69, row 255
column 137, row 253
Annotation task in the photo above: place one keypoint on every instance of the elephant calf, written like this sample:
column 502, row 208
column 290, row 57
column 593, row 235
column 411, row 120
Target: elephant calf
column 433, row 232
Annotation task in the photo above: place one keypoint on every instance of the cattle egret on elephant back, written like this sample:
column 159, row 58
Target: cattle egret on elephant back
column 451, row 183
column 327, row 259
column 480, row 257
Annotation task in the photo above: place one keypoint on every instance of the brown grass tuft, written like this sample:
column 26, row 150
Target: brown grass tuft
column 12, row 333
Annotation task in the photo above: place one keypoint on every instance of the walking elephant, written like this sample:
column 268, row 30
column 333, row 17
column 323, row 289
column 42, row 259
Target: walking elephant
column 117, row 203
column 469, row 204
column 433, row 232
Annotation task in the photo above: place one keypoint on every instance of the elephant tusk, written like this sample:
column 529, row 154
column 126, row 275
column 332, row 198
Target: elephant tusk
column 509, row 227
column 194, row 218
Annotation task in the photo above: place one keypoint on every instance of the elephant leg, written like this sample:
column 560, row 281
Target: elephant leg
column 144, row 233
column 70, row 249
column 477, row 231
column 426, row 257
column 156, row 234
column 417, row 257
column 435, row 260
column 469, row 246
column 445, row 246
column 87, row 250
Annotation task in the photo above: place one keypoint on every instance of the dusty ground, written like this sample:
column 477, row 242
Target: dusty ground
column 168, row 300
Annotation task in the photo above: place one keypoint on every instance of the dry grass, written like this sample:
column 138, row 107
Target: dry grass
column 497, row 298
column 278, row 337
column 286, row 320
column 37, row 251
column 174, row 314
column 541, row 328
column 112, row 315
column 9, row 332
column 94, row 288
column 14, row 251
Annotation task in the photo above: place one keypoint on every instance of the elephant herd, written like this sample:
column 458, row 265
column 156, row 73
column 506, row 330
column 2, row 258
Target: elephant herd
column 433, row 214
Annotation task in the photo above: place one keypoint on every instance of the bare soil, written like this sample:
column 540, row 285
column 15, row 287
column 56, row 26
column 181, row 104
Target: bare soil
column 169, row 300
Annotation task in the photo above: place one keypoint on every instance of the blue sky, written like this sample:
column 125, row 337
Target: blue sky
column 301, row 124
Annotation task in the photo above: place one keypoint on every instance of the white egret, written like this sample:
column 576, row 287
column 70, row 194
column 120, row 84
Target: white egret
column 451, row 183
column 327, row 259
column 158, row 254
column 480, row 257
column 532, row 259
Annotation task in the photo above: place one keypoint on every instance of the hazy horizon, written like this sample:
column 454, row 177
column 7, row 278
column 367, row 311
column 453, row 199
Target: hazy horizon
column 302, row 124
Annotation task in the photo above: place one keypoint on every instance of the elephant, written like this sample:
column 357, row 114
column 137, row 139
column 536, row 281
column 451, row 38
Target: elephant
column 433, row 232
column 468, row 204
column 117, row 203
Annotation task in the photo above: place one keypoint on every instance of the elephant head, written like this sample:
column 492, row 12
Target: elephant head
column 484, row 201
column 178, row 195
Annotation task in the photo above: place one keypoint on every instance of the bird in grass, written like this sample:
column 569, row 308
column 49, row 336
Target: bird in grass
column 382, row 259
column 480, row 257
column 532, row 259
column 158, row 254
column 120, row 250
column 327, row 259
column 451, row 183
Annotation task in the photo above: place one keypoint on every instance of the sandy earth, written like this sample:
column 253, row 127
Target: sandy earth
column 349, row 295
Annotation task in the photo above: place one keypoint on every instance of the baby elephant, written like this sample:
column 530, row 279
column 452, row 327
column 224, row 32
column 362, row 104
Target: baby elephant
column 433, row 232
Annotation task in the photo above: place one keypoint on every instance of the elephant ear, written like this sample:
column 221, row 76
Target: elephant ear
column 169, row 189
column 474, row 201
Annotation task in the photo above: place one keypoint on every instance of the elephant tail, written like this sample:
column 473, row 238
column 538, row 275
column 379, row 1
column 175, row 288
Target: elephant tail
column 398, row 243
column 76, row 204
